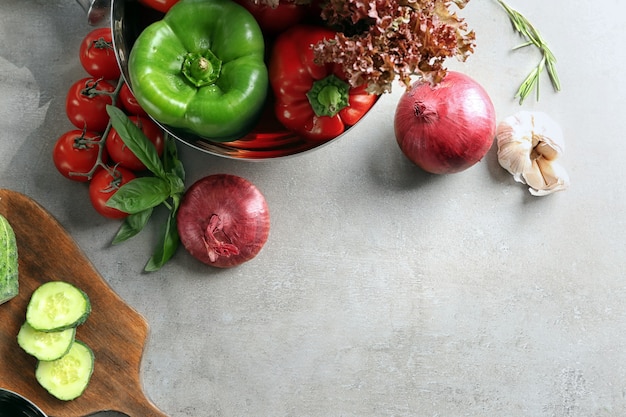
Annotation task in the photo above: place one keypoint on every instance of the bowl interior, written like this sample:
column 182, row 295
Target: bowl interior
column 268, row 140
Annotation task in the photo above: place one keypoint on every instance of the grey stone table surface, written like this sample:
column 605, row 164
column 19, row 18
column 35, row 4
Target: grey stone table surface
column 382, row 290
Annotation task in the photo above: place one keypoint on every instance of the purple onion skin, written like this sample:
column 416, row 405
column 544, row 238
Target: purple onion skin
column 223, row 220
column 445, row 128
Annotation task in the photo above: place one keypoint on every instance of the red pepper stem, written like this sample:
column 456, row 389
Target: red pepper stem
column 329, row 96
column 202, row 69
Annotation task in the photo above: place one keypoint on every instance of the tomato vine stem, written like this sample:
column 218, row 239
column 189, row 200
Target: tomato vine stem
column 102, row 141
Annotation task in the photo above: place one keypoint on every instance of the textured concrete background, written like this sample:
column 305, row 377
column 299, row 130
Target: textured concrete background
column 382, row 291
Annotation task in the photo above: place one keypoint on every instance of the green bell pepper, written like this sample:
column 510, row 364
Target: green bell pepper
column 201, row 69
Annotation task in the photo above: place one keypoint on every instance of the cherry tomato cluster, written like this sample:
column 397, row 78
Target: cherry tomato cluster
column 93, row 152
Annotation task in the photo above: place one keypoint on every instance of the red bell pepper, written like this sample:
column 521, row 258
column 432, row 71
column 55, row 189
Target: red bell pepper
column 313, row 100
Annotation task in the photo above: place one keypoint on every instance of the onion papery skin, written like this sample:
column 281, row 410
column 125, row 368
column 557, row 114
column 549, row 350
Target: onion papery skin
column 243, row 215
column 448, row 127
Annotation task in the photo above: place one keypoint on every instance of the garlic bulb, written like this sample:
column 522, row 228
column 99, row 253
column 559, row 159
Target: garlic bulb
column 529, row 144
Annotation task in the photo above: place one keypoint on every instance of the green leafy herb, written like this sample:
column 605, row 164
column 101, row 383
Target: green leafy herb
column 168, row 243
column 171, row 163
column 133, row 224
column 133, row 138
column 548, row 60
column 140, row 196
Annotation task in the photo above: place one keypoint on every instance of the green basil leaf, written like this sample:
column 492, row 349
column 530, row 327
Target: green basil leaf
column 134, row 138
column 176, row 184
column 171, row 163
column 176, row 199
column 132, row 225
column 140, row 194
column 169, row 242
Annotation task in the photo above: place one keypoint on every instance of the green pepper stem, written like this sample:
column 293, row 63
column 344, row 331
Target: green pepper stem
column 329, row 96
column 202, row 69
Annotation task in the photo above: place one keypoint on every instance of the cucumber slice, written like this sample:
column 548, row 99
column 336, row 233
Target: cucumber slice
column 45, row 346
column 57, row 305
column 66, row 378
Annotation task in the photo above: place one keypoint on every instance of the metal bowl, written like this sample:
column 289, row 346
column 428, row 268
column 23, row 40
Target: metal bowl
column 268, row 140
column 13, row 404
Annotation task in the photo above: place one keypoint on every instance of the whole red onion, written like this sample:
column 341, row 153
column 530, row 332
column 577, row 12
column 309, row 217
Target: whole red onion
column 223, row 220
column 448, row 127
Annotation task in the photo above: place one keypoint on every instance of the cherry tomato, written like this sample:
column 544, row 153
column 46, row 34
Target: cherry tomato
column 76, row 153
column 120, row 153
column 103, row 185
column 160, row 5
column 97, row 55
column 128, row 101
column 86, row 103
column 274, row 20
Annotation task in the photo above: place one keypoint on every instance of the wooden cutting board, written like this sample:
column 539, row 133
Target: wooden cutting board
column 114, row 331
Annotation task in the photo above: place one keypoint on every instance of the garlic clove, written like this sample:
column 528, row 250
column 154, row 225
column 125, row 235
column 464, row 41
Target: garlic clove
column 548, row 151
column 512, row 158
column 533, row 177
column 528, row 144
column 554, row 178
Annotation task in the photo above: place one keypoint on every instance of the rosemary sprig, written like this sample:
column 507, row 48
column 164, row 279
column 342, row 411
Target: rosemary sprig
column 548, row 60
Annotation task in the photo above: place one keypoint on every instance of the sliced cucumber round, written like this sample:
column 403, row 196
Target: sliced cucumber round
column 57, row 305
column 66, row 378
column 45, row 346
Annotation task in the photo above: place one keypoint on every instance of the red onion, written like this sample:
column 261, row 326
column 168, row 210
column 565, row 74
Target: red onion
column 448, row 127
column 223, row 220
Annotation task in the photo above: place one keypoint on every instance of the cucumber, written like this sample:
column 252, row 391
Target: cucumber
column 9, row 284
column 65, row 364
column 66, row 378
column 57, row 305
column 45, row 346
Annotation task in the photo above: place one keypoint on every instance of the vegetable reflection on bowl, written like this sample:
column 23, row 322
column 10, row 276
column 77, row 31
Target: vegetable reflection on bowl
column 269, row 139
column 13, row 404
